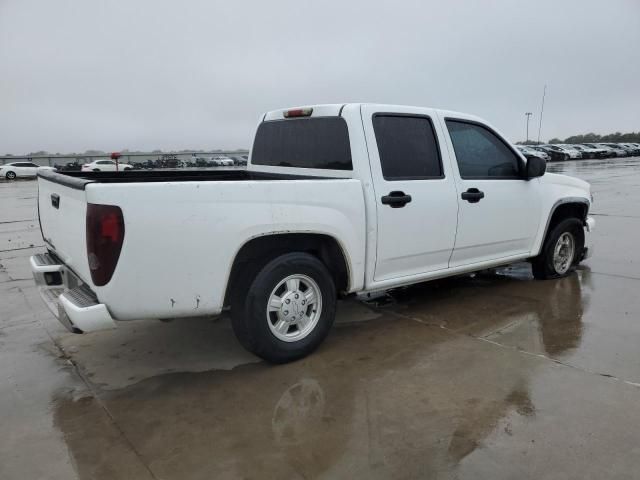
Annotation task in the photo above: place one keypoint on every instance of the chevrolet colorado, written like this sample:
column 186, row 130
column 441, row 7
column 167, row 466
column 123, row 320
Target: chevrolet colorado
column 336, row 200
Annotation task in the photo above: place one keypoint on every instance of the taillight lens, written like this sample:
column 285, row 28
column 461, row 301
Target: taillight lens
column 105, row 234
column 298, row 112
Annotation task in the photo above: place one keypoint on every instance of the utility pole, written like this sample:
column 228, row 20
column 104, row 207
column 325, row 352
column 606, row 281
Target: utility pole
column 528, row 114
column 544, row 92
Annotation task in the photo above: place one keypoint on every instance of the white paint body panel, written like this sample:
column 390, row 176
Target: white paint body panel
column 408, row 243
column 64, row 228
column 181, row 238
column 504, row 223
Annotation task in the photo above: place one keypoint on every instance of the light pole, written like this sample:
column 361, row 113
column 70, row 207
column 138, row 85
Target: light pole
column 544, row 92
column 528, row 114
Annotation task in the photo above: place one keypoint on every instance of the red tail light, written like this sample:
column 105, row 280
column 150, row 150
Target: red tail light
column 105, row 234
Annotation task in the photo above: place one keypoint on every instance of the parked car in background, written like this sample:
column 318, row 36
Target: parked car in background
column 633, row 150
column 69, row 167
column 105, row 166
column 571, row 152
column 555, row 154
column 224, row 161
column 615, row 150
column 240, row 160
column 585, row 153
column 592, row 151
column 14, row 170
column 336, row 200
column 529, row 152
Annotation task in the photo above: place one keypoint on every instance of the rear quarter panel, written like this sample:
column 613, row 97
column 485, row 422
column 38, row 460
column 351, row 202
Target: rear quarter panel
column 181, row 238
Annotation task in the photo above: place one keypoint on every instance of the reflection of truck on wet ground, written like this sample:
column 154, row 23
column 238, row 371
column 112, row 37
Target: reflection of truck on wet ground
column 336, row 200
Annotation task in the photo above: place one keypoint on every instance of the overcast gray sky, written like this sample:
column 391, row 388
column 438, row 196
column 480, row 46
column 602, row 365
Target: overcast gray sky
column 173, row 74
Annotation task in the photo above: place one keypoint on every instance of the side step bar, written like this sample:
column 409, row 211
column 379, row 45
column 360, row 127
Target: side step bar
column 70, row 300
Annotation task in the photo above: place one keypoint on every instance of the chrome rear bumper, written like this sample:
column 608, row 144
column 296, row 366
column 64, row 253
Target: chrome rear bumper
column 70, row 300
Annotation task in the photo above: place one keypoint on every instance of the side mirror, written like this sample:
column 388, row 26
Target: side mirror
column 536, row 167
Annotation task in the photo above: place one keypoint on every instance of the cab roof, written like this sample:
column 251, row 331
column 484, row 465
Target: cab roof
column 335, row 109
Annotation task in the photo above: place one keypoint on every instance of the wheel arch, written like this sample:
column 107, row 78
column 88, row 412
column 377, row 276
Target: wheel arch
column 257, row 251
column 564, row 208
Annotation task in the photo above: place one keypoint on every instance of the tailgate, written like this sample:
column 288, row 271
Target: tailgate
column 62, row 211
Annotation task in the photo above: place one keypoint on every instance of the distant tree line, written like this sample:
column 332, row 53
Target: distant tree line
column 617, row 137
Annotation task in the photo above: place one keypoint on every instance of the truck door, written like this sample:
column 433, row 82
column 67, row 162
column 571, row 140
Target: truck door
column 499, row 210
column 416, row 204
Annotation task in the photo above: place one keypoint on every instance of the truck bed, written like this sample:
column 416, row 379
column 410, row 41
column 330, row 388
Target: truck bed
column 79, row 180
column 183, row 229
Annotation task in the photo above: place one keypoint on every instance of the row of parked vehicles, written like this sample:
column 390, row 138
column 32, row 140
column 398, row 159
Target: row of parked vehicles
column 107, row 165
column 564, row 151
column 11, row 171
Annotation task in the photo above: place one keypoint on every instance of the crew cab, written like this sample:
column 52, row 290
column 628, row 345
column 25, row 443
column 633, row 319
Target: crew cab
column 336, row 200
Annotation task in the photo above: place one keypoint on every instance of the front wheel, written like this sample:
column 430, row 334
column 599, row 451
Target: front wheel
column 561, row 251
column 10, row 175
column 285, row 311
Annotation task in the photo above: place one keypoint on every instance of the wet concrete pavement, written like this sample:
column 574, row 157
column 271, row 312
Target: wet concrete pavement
column 487, row 376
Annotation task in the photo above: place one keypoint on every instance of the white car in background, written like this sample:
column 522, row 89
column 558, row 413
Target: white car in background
column 105, row 166
column 223, row 161
column 11, row 171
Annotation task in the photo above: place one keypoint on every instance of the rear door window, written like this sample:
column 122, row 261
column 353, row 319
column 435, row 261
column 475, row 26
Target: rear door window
column 320, row 142
column 407, row 146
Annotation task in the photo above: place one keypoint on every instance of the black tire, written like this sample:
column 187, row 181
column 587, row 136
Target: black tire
column 542, row 266
column 10, row 176
column 249, row 307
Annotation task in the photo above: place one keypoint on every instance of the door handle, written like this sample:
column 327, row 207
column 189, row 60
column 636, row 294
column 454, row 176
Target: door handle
column 473, row 195
column 396, row 199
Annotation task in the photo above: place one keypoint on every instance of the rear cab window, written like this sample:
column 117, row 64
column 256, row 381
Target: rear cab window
column 313, row 142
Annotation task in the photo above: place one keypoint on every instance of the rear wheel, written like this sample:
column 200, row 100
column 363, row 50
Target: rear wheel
column 561, row 251
column 10, row 175
column 285, row 311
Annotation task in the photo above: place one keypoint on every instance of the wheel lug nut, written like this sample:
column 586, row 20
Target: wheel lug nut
column 303, row 302
column 297, row 296
column 286, row 312
column 287, row 301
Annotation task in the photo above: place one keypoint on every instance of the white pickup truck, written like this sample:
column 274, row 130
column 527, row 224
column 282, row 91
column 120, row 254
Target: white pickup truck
column 336, row 200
